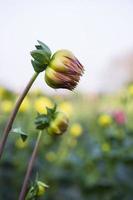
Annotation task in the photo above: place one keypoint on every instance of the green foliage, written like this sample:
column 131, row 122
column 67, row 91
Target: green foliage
column 95, row 165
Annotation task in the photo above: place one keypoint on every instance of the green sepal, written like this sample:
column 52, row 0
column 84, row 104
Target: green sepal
column 42, row 121
column 51, row 111
column 37, row 66
column 45, row 48
column 32, row 194
column 41, row 56
column 22, row 134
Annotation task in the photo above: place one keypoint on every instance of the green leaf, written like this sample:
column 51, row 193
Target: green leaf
column 21, row 133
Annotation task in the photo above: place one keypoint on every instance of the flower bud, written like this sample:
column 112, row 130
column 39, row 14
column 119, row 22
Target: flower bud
column 63, row 71
column 41, row 188
column 38, row 189
column 58, row 125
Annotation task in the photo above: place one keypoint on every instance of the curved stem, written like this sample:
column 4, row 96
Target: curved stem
column 29, row 169
column 14, row 113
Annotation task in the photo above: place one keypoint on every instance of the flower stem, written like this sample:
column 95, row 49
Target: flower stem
column 14, row 113
column 29, row 169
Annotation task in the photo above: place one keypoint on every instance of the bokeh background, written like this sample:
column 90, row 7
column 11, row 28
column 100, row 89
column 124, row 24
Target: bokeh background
column 94, row 159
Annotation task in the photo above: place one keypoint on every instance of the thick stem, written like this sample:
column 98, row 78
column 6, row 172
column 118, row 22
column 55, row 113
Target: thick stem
column 29, row 169
column 14, row 113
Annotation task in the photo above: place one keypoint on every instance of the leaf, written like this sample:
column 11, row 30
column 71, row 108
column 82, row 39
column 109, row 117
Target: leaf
column 22, row 134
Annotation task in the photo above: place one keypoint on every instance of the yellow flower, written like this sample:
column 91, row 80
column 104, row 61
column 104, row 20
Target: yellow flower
column 66, row 107
column 20, row 144
column 106, row 147
column 7, row 106
column 50, row 156
column 76, row 130
column 25, row 105
column 41, row 103
column 105, row 120
column 130, row 90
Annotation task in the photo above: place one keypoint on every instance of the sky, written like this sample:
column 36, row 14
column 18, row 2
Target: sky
column 96, row 31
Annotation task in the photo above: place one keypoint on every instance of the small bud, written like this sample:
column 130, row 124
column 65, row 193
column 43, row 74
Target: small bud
column 36, row 190
column 63, row 71
column 41, row 188
column 58, row 125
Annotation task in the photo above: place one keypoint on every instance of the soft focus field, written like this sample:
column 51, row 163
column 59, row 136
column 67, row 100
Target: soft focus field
column 92, row 160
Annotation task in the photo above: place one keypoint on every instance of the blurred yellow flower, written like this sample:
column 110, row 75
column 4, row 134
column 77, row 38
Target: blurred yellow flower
column 105, row 120
column 7, row 106
column 41, row 103
column 2, row 92
column 50, row 156
column 66, row 107
column 20, row 144
column 76, row 130
column 25, row 105
column 106, row 147
column 130, row 90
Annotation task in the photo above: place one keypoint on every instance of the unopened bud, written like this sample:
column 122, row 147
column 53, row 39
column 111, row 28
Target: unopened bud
column 63, row 71
column 58, row 125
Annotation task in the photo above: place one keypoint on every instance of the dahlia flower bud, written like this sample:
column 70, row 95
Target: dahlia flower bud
column 38, row 189
column 63, row 71
column 58, row 125
column 41, row 188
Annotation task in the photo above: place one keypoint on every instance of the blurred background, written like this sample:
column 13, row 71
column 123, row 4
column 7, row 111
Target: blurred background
column 94, row 159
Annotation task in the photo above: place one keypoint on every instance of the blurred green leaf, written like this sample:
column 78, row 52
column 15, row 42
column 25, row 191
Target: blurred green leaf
column 21, row 133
